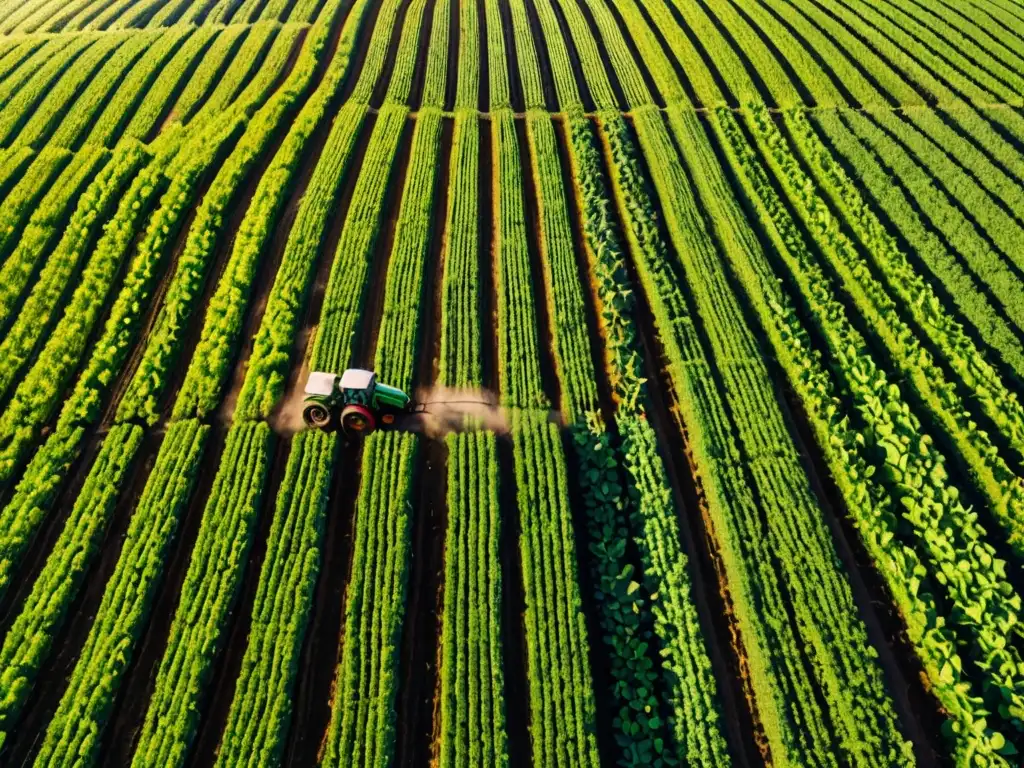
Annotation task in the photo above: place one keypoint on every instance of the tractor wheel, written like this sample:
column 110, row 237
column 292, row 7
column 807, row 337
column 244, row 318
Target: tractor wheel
column 358, row 420
column 318, row 416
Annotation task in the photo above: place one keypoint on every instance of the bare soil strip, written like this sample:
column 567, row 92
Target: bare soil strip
column 485, row 66
column 67, row 645
column 451, row 81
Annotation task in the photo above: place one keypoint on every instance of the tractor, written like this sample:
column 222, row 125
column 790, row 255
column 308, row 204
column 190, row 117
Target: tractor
column 356, row 402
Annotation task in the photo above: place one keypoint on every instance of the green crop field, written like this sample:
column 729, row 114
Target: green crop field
column 734, row 293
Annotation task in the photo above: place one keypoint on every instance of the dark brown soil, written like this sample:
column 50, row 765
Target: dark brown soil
column 139, row 679
column 51, row 683
column 515, row 84
column 452, row 73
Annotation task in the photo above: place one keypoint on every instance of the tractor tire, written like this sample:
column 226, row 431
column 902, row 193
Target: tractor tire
column 357, row 420
column 319, row 416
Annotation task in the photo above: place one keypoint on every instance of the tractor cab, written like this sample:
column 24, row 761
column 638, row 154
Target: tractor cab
column 355, row 401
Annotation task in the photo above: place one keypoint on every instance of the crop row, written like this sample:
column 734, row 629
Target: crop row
column 931, row 221
column 141, row 400
column 134, row 89
column 62, row 120
column 858, row 442
column 42, row 98
column 471, row 687
column 435, row 77
column 235, row 52
column 17, row 206
column 657, row 607
column 275, row 639
column 171, row 77
column 362, row 712
column 560, row 688
column 16, row 52
column 46, row 62
column 39, row 311
column 46, row 107
column 785, row 557
column 407, row 55
column 50, row 214
column 73, row 734
column 875, row 299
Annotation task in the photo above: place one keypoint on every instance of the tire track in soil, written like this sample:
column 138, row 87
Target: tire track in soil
column 609, row 68
column 221, row 686
column 422, row 49
column 380, row 88
column 324, row 640
column 917, row 710
column 543, row 60
column 139, row 681
column 51, row 682
column 417, row 721
column 574, row 57
column 513, row 599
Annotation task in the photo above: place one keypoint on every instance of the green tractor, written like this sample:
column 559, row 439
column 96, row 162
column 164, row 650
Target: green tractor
column 356, row 402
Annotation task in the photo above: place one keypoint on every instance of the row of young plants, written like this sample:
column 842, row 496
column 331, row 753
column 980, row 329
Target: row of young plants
column 654, row 608
column 231, row 512
column 530, row 78
column 16, row 51
column 876, row 300
column 46, row 63
column 234, row 54
column 55, row 99
column 76, row 119
column 163, row 89
column 959, row 256
column 562, row 709
column 259, row 716
column 61, row 121
column 967, row 67
column 787, row 587
column 498, row 84
column 471, row 729
column 95, row 207
column 626, row 68
column 119, row 109
column 857, row 442
column 407, row 55
column 587, row 49
column 142, row 400
column 20, row 201
column 38, row 394
column 435, row 77
column 74, row 733
column 49, row 215
column 362, row 727
column 651, row 52
column 41, row 100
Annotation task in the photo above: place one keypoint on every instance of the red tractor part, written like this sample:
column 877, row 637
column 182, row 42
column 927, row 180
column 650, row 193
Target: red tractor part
column 357, row 419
